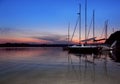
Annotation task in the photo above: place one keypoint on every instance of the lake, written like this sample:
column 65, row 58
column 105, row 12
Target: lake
column 55, row 66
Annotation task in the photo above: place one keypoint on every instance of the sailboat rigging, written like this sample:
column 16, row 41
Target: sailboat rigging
column 84, row 48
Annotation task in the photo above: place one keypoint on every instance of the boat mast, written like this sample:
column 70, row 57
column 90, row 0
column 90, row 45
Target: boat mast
column 68, row 34
column 106, row 28
column 93, row 25
column 85, row 21
column 79, row 23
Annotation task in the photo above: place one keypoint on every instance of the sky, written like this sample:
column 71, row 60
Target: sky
column 46, row 21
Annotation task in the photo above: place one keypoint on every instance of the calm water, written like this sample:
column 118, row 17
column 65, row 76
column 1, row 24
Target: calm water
column 55, row 66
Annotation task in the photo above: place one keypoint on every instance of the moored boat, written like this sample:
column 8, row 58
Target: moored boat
column 84, row 49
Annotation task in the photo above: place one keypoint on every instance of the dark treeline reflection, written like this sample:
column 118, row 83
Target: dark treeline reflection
column 55, row 66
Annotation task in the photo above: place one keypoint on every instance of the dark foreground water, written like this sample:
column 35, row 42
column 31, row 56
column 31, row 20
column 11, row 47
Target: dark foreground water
column 55, row 66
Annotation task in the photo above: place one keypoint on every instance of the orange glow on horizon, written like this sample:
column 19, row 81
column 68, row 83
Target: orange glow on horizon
column 33, row 40
column 22, row 40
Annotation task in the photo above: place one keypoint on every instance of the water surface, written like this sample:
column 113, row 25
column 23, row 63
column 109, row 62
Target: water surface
column 55, row 66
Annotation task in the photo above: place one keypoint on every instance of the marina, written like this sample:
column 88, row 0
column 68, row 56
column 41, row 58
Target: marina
column 36, row 47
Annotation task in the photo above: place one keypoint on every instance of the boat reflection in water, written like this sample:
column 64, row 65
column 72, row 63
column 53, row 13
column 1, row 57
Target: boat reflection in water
column 93, row 68
column 115, row 55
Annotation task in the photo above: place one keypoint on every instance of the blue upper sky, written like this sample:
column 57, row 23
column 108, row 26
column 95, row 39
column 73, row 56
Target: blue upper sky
column 43, row 19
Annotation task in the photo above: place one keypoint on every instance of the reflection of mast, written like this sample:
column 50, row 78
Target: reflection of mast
column 93, row 68
column 72, row 66
column 105, row 65
column 68, row 62
column 80, row 68
column 85, row 68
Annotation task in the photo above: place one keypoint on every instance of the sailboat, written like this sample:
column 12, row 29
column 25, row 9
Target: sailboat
column 84, row 48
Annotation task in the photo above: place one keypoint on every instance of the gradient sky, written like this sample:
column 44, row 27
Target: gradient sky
column 46, row 21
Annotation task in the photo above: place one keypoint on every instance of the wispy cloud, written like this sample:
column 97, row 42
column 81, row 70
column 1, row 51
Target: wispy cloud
column 8, row 31
column 52, row 38
column 38, row 36
column 12, row 32
column 5, row 30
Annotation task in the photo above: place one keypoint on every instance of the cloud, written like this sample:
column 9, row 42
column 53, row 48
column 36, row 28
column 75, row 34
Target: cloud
column 46, row 37
column 12, row 32
column 52, row 38
column 5, row 30
column 8, row 31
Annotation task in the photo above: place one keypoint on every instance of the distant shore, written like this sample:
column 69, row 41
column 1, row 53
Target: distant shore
column 39, row 45
column 32, row 45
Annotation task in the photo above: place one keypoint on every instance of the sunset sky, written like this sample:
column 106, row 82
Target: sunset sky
column 46, row 21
